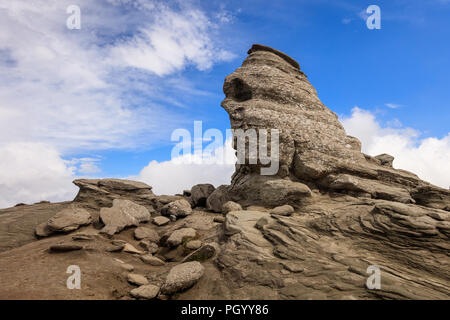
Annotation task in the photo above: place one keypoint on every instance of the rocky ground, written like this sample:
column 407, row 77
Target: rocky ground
column 308, row 232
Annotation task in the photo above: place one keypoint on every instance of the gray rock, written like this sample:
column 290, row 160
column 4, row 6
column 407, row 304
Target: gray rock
column 137, row 279
column 99, row 193
column 149, row 246
column 128, row 248
column 151, row 260
column 179, row 208
column 285, row 210
column 160, row 221
column 205, row 252
column 193, row 244
column 182, row 277
column 69, row 219
column 178, row 236
column 146, row 233
column 201, row 192
column 122, row 214
column 217, row 199
column 65, row 247
column 230, row 206
column 42, row 230
column 385, row 159
column 145, row 292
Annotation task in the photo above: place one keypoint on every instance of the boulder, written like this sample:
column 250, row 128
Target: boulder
column 182, row 277
column 285, row 210
column 205, row 252
column 99, row 193
column 193, row 244
column 65, row 247
column 201, row 192
column 179, row 208
column 128, row 248
column 123, row 213
column 69, row 219
column 217, row 198
column 160, row 221
column 231, row 206
column 137, row 279
column 146, row 233
column 149, row 246
column 151, row 260
column 178, row 236
column 145, row 292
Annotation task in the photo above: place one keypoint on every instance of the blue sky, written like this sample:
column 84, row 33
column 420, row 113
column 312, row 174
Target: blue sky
column 107, row 97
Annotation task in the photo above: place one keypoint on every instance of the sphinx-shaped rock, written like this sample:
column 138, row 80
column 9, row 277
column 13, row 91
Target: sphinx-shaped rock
column 269, row 91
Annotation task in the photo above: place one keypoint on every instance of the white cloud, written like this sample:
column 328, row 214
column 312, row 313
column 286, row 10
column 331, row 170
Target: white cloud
column 429, row 158
column 185, row 171
column 31, row 172
column 68, row 91
column 393, row 105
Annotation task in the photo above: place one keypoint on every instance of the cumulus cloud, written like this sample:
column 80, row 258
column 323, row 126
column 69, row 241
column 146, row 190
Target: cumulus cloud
column 100, row 87
column 428, row 157
column 31, row 172
column 184, row 171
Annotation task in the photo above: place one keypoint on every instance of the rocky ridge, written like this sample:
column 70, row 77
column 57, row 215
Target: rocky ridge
column 309, row 232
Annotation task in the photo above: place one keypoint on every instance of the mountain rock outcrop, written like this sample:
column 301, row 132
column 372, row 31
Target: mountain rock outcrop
column 269, row 91
column 313, row 230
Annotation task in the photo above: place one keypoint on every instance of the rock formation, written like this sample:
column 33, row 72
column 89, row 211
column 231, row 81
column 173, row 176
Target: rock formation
column 311, row 231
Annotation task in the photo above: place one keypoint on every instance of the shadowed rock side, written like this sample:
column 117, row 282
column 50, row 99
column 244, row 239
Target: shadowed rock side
column 309, row 232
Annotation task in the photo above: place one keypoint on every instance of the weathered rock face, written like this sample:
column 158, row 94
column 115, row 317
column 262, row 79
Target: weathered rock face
column 269, row 91
column 123, row 213
column 98, row 193
column 309, row 232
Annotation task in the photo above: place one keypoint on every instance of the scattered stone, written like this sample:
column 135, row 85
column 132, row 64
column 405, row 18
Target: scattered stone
column 122, row 214
column 285, row 210
column 201, row 192
column 69, row 219
column 186, row 193
column 182, row 276
column 173, row 218
column 193, row 244
column 149, row 246
column 160, row 221
column 137, row 279
column 231, row 206
column 146, row 233
column 180, row 235
column 65, row 247
column 206, row 252
column 128, row 248
column 152, row 260
column 179, row 208
column 217, row 199
column 127, row 267
column 146, row 292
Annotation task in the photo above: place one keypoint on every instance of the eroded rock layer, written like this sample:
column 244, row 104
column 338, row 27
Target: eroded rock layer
column 269, row 91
